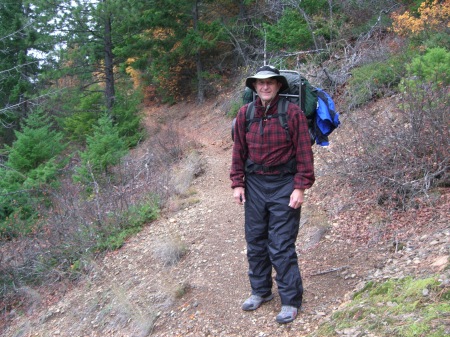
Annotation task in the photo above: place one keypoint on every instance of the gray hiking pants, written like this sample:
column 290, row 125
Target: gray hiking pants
column 271, row 229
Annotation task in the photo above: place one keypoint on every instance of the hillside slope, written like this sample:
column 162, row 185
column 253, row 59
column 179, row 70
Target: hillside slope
column 133, row 292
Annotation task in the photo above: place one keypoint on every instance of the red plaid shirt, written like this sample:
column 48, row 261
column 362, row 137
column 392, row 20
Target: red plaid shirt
column 266, row 144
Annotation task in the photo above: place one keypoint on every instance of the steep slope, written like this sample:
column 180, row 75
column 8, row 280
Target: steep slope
column 133, row 292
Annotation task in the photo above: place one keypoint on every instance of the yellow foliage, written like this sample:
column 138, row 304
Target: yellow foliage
column 134, row 74
column 432, row 16
column 161, row 34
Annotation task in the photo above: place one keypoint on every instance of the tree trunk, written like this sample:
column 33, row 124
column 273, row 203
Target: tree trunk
column 110, row 92
column 198, row 60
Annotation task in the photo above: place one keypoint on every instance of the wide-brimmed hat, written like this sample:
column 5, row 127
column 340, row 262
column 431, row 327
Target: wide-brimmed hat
column 267, row 72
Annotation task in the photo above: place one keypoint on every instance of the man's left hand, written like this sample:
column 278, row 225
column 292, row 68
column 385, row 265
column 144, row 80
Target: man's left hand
column 297, row 198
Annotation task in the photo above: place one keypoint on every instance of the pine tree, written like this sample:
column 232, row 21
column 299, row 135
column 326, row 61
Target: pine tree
column 36, row 144
column 32, row 165
column 104, row 149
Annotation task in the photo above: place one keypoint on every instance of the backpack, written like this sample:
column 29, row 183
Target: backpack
column 316, row 104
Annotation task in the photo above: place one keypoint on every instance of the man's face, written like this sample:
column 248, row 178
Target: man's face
column 267, row 88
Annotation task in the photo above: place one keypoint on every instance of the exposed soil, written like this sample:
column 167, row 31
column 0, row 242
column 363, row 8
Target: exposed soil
column 133, row 292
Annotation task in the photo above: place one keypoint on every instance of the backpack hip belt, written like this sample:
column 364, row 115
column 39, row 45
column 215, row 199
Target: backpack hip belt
column 289, row 167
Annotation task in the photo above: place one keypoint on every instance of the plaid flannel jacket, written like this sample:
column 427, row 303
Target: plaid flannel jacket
column 266, row 144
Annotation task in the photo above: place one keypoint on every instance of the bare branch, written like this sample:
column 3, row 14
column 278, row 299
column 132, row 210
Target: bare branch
column 16, row 32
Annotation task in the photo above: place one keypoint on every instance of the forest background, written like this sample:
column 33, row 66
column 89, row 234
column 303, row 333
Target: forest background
column 74, row 76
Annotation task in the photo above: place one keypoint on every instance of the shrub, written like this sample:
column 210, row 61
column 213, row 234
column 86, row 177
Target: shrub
column 374, row 80
column 144, row 212
column 104, row 148
column 433, row 68
column 402, row 152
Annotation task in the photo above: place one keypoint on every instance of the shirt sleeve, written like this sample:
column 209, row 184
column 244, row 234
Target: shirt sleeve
column 304, row 178
column 239, row 153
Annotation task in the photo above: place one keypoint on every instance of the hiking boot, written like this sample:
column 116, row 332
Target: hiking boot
column 254, row 302
column 287, row 314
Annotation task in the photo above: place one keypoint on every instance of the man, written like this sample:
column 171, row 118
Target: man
column 270, row 172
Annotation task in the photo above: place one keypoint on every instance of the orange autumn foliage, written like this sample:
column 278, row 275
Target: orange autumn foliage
column 433, row 15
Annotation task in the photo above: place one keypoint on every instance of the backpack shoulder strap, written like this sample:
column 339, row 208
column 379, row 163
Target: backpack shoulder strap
column 282, row 116
column 250, row 115
column 249, row 118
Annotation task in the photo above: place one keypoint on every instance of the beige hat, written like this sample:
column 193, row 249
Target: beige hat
column 267, row 72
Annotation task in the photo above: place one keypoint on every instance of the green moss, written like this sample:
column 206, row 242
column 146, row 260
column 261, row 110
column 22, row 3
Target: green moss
column 396, row 308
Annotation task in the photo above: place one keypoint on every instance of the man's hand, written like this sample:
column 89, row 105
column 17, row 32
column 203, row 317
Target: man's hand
column 297, row 198
column 239, row 195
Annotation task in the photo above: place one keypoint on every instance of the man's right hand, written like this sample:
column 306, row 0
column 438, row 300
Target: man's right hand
column 239, row 195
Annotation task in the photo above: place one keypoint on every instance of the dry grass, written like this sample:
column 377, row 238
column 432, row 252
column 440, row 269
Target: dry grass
column 169, row 250
column 187, row 170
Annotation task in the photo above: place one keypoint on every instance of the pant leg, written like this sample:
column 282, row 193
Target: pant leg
column 256, row 235
column 283, row 230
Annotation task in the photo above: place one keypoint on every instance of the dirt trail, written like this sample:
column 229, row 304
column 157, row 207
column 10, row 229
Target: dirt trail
column 131, row 292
